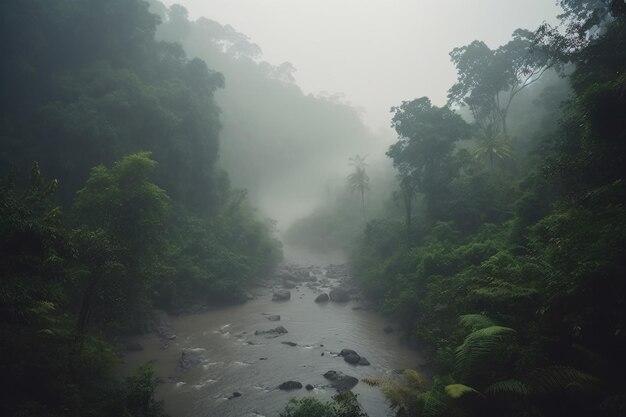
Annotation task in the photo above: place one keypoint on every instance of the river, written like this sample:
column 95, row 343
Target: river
column 233, row 359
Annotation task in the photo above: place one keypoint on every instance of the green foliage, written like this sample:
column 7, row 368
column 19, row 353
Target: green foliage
column 475, row 322
column 344, row 404
column 140, row 394
column 509, row 386
column 551, row 264
column 456, row 391
column 483, row 345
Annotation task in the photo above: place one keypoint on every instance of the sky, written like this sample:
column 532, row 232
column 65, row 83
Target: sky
column 375, row 52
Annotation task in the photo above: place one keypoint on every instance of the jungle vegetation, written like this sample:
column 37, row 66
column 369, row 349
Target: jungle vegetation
column 112, row 203
column 508, row 264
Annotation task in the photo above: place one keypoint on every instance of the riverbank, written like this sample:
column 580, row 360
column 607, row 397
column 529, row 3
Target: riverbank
column 228, row 362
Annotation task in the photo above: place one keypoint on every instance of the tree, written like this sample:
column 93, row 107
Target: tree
column 489, row 80
column 427, row 136
column 123, row 218
column 490, row 148
column 358, row 181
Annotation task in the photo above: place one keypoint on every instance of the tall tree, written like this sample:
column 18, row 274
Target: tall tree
column 422, row 155
column 490, row 79
column 358, row 180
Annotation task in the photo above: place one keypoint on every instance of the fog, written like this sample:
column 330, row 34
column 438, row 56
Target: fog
column 304, row 208
column 375, row 52
column 311, row 83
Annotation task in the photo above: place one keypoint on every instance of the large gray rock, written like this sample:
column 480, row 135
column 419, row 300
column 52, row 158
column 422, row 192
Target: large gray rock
column 281, row 295
column 339, row 295
column 289, row 385
column 289, row 284
column 352, row 358
column 340, row 381
column 188, row 360
column 322, row 298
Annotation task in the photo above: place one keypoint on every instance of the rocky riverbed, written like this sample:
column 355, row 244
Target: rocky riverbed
column 287, row 340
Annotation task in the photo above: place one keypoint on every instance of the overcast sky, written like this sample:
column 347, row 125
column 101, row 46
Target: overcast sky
column 376, row 52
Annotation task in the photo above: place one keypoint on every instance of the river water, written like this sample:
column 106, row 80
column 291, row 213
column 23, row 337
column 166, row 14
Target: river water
column 233, row 359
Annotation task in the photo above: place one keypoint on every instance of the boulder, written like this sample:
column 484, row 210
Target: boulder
column 339, row 295
column 340, row 381
column 289, row 385
column 281, row 295
column 290, row 343
column 236, row 394
column 363, row 361
column 322, row 298
column 345, row 352
column 289, row 284
column 273, row 317
column 308, row 387
column 352, row 358
column 188, row 360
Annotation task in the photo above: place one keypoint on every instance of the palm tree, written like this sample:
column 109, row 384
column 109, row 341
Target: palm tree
column 359, row 180
column 490, row 148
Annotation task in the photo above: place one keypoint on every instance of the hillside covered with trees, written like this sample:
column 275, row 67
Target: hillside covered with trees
column 509, row 261
column 111, row 202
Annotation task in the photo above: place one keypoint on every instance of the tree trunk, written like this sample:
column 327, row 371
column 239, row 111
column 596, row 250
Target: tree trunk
column 363, row 202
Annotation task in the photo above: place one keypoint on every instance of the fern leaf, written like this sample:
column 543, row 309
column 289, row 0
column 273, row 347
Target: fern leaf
column 414, row 379
column 559, row 379
column 475, row 321
column 434, row 404
column 374, row 381
column 481, row 345
column 456, row 391
column 513, row 386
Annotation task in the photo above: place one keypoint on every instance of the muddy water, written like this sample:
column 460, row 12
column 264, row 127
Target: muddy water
column 233, row 359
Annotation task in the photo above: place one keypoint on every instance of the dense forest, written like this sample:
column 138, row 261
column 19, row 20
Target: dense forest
column 124, row 209
column 509, row 261
column 493, row 229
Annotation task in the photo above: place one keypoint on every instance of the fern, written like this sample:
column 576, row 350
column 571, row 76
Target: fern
column 414, row 379
column 475, row 321
column 513, row 386
column 375, row 381
column 480, row 346
column 435, row 404
column 559, row 379
column 456, row 391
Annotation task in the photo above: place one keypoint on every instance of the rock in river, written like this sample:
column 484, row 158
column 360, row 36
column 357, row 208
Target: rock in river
column 322, row 298
column 289, row 385
column 339, row 295
column 340, row 381
column 290, row 343
column 278, row 331
column 273, row 317
column 188, row 360
column 289, row 284
column 281, row 295
column 352, row 357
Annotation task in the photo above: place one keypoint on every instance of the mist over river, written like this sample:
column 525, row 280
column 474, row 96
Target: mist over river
column 231, row 358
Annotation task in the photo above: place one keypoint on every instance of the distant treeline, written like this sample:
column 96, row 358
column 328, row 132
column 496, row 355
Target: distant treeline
column 110, row 202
